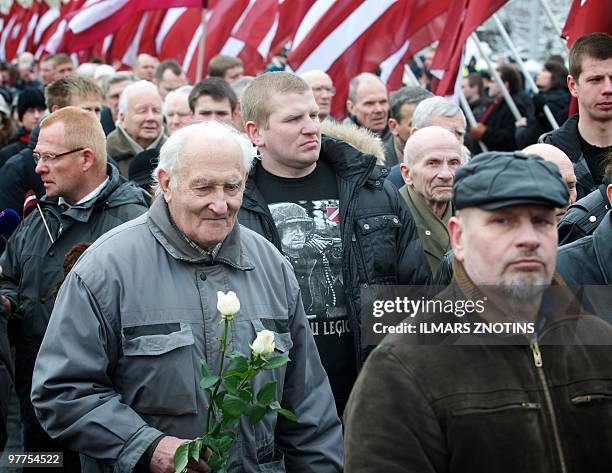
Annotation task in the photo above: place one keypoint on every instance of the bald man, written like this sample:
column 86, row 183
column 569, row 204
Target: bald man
column 431, row 157
column 562, row 161
column 145, row 66
column 322, row 89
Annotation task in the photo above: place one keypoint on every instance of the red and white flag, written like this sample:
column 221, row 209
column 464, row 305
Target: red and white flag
column 587, row 16
column 462, row 20
column 345, row 38
column 96, row 20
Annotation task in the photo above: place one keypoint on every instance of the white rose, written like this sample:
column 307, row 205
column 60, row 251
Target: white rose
column 264, row 343
column 228, row 304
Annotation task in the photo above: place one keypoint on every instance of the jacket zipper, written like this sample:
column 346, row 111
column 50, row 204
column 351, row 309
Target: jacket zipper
column 537, row 358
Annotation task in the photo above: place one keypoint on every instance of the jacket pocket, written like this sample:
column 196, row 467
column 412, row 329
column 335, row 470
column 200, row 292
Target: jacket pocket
column 377, row 237
column 479, row 423
column 157, row 369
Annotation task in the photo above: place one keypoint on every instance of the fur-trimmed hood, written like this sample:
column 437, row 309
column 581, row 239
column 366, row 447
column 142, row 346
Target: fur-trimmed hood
column 360, row 138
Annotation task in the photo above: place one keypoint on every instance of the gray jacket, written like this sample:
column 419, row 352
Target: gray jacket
column 119, row 364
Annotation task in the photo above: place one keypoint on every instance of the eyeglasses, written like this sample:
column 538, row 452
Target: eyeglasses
column 329, row 90
column 48, row 157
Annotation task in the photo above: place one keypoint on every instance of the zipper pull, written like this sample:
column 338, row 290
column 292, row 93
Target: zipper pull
column 537, row 356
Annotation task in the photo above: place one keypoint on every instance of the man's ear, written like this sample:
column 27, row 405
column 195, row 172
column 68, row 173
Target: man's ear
column 393, row 126
column 121, row 118
column 406, row 174
column 610, row 193
column 254, row 133
column 350, row 106
column 572, row 85
column 89, row 160
column 163, row 178
column 455, row 230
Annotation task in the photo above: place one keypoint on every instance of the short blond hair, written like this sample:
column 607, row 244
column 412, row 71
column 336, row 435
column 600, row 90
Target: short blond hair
column 255, row 102
column 82, row 129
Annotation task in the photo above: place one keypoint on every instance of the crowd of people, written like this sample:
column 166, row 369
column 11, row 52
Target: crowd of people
column 130, row 198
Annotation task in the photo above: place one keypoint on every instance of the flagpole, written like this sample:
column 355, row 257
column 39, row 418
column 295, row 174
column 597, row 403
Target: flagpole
column 511, row 105
column 467, row 110
column 202, row 43
column 553, row 21
column 521, row 64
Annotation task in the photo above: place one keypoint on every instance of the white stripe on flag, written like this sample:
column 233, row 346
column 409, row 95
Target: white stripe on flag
column 339, row 40
column 94, row 14
column 169, row 19
column 389, row 64
column 311, row 18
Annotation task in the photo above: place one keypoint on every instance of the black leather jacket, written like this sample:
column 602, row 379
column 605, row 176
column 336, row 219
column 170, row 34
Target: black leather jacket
column 380, row 243
column 566, row 139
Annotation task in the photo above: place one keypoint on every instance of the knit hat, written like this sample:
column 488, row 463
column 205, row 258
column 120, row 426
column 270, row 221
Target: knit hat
column 30, row 97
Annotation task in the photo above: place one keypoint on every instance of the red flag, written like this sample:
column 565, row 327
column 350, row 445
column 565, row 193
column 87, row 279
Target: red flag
column 587, row 16
column 12, row 31
column 349, row 38
column 96, row 20
column 462, row 20
column 255, row 30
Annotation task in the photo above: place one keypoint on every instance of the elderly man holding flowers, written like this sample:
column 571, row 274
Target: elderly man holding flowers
column 143, row 355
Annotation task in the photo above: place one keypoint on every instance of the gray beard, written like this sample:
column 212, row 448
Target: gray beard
column 523, row 291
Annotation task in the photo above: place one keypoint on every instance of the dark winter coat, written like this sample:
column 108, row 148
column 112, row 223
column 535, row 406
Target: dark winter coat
column 588, row 261
column 584, row 216
column 566, row 139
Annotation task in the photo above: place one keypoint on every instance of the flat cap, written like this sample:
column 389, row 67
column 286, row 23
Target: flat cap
column 495, row 180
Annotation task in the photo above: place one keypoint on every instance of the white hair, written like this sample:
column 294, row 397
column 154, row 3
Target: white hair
column 435, row 107
column 141, row 84
column 170, row 153
column 182, row 90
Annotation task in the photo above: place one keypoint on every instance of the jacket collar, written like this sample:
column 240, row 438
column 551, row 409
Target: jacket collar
column 231, row 252
column 82, row 212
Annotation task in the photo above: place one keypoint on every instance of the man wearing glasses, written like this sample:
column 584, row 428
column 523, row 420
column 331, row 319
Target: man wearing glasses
column 85, row 197
column 323, row 90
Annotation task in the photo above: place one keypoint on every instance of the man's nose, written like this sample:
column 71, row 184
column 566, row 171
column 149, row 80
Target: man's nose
column 311, row 126
column 218, row 203
column 446, row 172
column 528, row 236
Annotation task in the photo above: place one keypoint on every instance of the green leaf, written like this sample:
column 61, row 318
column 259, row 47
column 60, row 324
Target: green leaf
column 288, row 414
column 266, row 394
column 231, row 383
column 215, row 430
column 230, row 422
column 275, row 406
column 256, row 413
column 204, row 368
column 195, row 449
column 238, row 363
column 215, row 462
column 276, row 362
column 246, row 394
column 219, row 398
column 208, row 381
column 233, row 406
column 181, row 457
column 226, row 440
